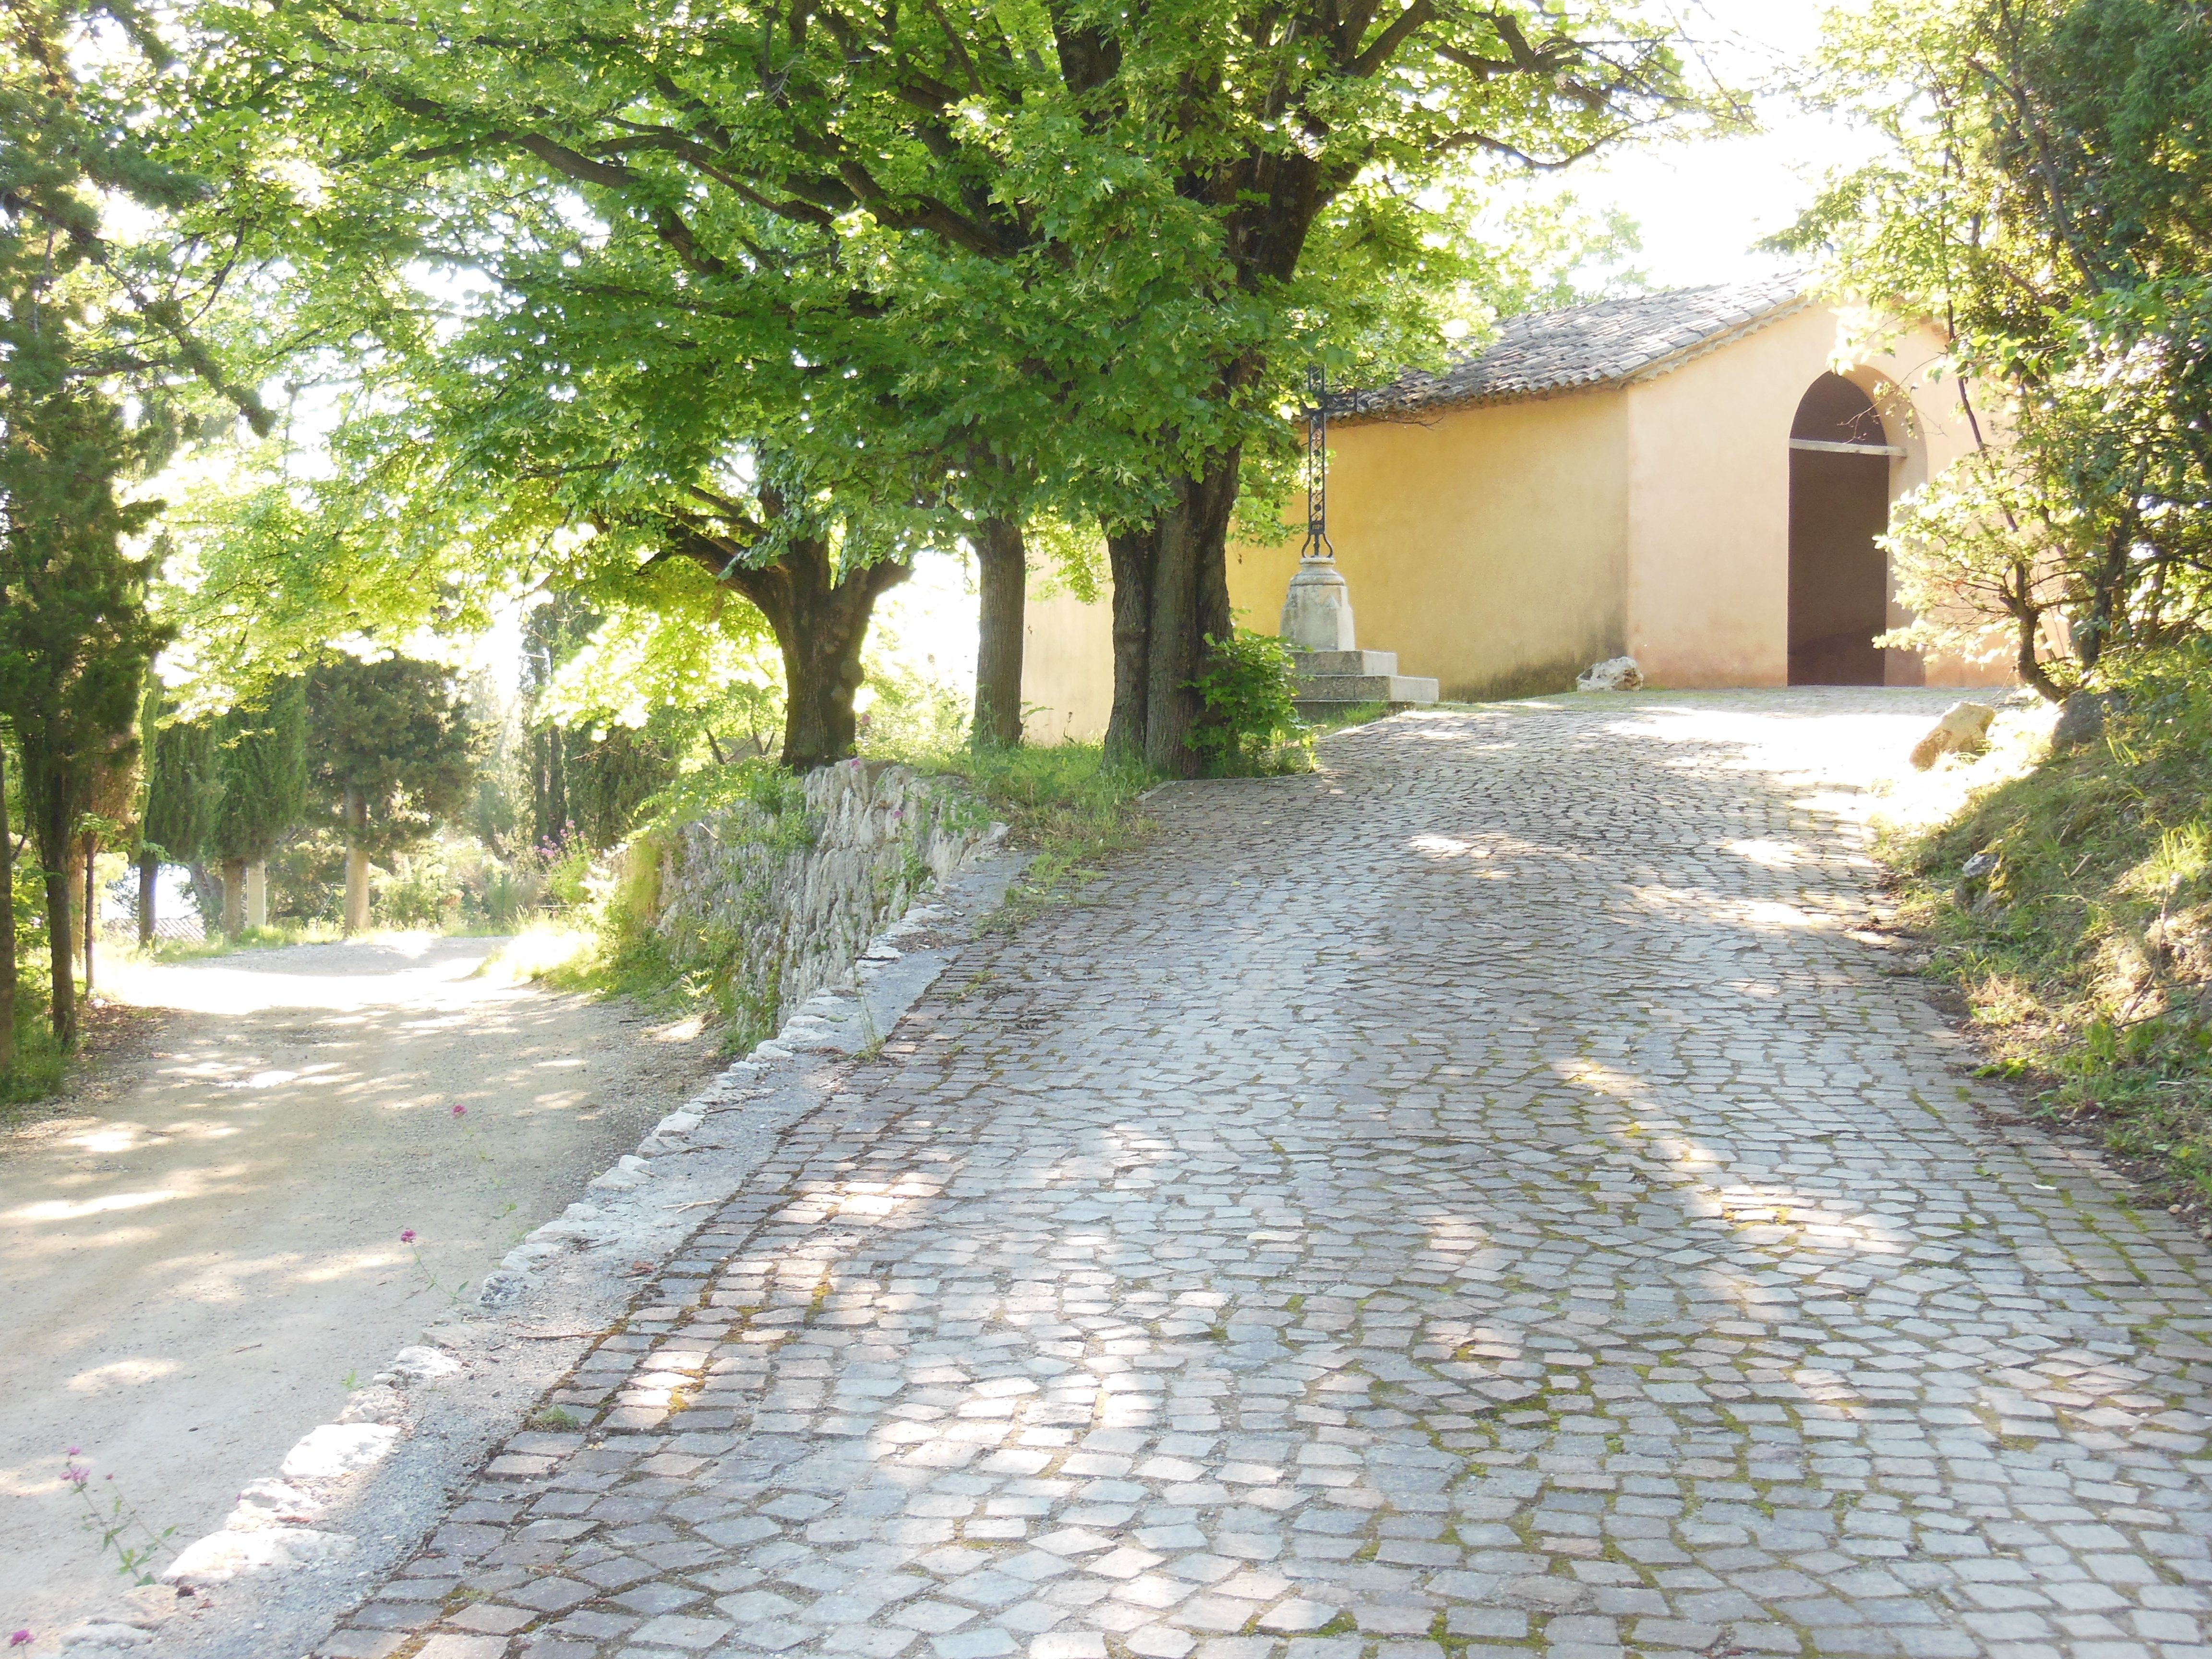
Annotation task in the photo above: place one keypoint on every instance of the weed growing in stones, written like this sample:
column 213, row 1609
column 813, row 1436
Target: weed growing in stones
column 453, row 1292
column 123, row 1533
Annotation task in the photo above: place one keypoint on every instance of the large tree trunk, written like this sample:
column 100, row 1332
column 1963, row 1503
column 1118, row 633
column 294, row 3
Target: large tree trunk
column 553, row 816
column 2108, row 594
column 1170, row 593
column 61, row 957
column 1130, row 555
column 1002, row 561
column 51, row 808
column 149, row 888
column 234, row 897
column 7, row 927
column 820, row 615
column 207, row 897
column 357, row 868
column 821, row 622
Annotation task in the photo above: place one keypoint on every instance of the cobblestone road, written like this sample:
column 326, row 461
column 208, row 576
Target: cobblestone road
column 1477, row 1201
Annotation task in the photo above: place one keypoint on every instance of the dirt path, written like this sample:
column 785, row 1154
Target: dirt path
column 201, row 1259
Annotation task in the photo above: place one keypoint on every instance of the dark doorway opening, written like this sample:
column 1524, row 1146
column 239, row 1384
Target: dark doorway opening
column 1838, row 503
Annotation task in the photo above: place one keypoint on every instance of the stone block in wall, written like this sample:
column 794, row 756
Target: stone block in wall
column 779, row 905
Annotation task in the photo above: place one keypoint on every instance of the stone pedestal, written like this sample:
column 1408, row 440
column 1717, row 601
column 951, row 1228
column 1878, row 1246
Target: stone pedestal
column 1317, row 613
column 1330, row 682
column 1332, row 675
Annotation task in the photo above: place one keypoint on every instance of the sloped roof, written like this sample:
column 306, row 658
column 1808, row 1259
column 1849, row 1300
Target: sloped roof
column 1607, row 343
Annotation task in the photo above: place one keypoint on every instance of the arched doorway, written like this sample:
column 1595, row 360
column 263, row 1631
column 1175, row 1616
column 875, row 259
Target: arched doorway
column 1838, row 503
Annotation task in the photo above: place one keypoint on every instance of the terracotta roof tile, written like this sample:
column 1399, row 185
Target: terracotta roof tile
column 1606, row 343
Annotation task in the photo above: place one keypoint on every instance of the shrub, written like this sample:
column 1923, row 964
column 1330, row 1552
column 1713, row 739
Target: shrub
column 568, row 874
column 507, row 896
column 1251, row 721
column 418, row 891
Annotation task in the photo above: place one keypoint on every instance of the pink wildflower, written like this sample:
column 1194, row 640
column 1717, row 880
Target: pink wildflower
column 19, row 1639
column 406, row 1235
column 460, row 1111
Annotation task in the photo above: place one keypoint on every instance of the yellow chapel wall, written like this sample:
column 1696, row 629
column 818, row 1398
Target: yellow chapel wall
column 1068, row 667
column 1485, row 546
column 1503, row 548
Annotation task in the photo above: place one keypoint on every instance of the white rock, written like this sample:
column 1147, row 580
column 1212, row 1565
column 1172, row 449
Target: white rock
column 106, row 1633
column 1965, row 726
column 677, row 1123
column 154, row 1605
column 221, row 1555
column 338, row 1448
column 421, row 1365
column 1613, row 674
column 554, row 1237
column 269, row 1503
column 630, row 1172
column 378, row 1402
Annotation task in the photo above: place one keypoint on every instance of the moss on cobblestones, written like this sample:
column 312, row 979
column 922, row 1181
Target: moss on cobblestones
column 2082, row 943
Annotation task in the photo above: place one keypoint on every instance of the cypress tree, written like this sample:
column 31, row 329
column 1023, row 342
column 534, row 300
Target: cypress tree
column 394, row 754
column 262, row 763
column 74, row 637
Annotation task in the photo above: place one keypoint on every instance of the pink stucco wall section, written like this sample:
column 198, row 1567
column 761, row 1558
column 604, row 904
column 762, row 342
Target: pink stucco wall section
column 1709, row 486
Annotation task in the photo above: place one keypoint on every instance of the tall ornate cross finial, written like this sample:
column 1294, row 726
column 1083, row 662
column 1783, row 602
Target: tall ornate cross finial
column 1317, row 545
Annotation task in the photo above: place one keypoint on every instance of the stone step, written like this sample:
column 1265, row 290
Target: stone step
column 1346, row 689
column 1305, row 664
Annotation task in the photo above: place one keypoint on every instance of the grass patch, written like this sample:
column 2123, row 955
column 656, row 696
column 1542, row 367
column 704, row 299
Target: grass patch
column 279, row 937
column 1067, row 804
column 2081, row 940
column 1357, row 713
column 43, row 1077
column 40, row 1066
column 275, row 938
column 551, row 949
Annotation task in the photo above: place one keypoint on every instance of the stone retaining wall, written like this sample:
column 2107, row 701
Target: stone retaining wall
column 777, row 905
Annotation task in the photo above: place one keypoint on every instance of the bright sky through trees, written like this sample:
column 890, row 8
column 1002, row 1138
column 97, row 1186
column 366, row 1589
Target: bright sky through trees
column 1701, row 205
